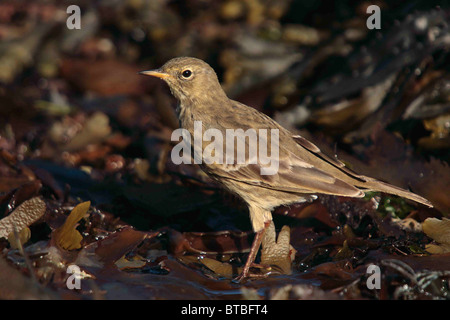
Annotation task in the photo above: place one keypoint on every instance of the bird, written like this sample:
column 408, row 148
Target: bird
column 303, row 171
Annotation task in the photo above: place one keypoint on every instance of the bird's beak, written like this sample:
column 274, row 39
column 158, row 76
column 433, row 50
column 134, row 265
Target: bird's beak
column 155, row 73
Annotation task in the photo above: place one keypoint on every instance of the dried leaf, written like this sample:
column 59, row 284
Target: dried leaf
column 344, row 253
column 67, row 236
column 135, row 262
column 281, row 293
column 279, row 252
column 221, row 269
column 439, row 231
column 107, row 251
column 437, row 249
column 24, row 236
column 408, row 224
column 250, row 293
column 23, row 216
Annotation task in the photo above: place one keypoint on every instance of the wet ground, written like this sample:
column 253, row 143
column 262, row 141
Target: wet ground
column 86, row 177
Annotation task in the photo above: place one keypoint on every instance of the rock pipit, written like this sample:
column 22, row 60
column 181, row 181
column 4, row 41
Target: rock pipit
column 302, row 169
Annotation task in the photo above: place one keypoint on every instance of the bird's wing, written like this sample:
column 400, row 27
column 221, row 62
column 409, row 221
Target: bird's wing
column 305, row 143
column 292, row 172
column 289, row 177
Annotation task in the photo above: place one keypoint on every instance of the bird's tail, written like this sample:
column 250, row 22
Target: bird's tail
column 360, row 181
column 376, row 185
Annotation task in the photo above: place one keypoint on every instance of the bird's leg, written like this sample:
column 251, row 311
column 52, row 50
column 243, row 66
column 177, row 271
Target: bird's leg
column 253, row 251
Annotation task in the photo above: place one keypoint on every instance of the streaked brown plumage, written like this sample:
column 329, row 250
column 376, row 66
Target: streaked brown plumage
column 303, row 170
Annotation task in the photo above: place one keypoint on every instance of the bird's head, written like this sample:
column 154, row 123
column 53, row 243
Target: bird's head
column 188, row 78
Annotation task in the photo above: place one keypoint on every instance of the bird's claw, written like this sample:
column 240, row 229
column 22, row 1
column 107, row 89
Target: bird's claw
column 246, row 274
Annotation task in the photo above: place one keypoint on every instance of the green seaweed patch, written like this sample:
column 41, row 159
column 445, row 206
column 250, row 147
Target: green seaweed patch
column 391, row 205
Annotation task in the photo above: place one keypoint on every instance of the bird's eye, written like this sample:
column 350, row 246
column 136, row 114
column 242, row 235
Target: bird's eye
column 186, row 73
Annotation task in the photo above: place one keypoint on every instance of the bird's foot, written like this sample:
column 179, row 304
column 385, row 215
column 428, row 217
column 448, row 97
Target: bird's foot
column 252, row 255
column 264, row 271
